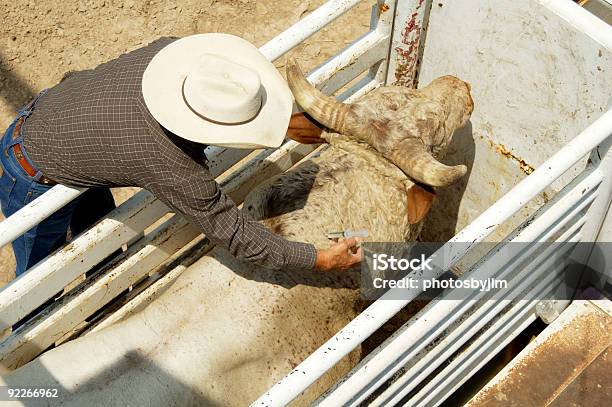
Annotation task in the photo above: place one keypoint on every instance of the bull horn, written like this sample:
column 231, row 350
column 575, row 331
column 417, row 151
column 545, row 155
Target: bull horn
column 324, row 109
column 412, row 158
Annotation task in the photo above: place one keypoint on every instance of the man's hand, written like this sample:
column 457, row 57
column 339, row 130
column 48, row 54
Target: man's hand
column 340, row 256
column 304, row 130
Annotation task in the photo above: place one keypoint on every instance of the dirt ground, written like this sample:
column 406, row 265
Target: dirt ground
column 41, row 41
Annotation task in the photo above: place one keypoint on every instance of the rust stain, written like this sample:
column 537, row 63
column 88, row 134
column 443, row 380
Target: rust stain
column 523, row 165
column 407, row 54
column 383, row 8
column 541, row 376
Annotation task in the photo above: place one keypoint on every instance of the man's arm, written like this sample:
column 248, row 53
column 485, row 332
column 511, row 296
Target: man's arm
column 204, row 204
column 188, row 188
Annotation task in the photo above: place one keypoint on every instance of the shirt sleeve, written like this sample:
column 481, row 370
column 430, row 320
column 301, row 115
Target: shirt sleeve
column 186, row 186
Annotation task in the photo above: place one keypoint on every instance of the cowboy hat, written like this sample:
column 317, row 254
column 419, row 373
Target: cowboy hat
column 218, row 89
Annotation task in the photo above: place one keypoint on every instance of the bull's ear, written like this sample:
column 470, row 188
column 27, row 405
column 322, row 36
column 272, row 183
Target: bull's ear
column 420, row 200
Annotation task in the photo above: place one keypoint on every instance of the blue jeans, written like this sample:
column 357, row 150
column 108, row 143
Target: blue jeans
column 18, row 188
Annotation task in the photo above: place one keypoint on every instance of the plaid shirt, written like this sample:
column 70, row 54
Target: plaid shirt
column 93, row 129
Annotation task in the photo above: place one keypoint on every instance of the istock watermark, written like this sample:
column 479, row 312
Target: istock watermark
column 433, row 283
column 484, row 271
column 385, row 262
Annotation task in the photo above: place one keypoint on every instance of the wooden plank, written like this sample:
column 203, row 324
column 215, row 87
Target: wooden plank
column 51, row 275
column 75, row 307
column 150, row 289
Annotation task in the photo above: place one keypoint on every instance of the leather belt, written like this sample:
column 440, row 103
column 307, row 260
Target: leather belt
column 21, row 159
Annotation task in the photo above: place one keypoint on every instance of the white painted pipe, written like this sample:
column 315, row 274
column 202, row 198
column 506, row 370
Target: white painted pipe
column 543, row 289
column 36, row 211
column 521, row 314
column 582, row 20
column 458, row 337
column 360, row 328
column 49, row 276
column 370, row 376
column 353, row 55
column 306, row 27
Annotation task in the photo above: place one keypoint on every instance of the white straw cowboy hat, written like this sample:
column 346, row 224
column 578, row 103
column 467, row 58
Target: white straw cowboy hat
column 218, row 89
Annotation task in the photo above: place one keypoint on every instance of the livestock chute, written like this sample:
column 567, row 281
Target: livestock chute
column 539, row 163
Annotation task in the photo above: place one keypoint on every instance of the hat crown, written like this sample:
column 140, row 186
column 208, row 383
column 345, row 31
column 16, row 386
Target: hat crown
column 181, row 95
column 221, row 90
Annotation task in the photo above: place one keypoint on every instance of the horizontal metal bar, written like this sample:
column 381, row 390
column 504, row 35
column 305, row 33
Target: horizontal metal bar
column 221, row 159
column 506, row 330
column 306, row 27
column 549, row 226
column 582, row 20
column 36, row 211
column 51, row 275
column 159, row 281
column 354, row 60
column 477, row 349
column 468, row 328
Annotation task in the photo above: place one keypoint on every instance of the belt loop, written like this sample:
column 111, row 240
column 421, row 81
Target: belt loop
column 16, row 137
column 29, row 107
column 23, row 114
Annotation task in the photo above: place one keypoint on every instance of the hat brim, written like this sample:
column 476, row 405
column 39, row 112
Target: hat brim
column 162, row 85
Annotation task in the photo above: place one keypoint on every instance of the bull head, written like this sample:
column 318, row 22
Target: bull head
column 409, row 127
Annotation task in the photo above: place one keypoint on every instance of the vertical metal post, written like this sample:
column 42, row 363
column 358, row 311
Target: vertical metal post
column 383, row 13
column 409, row 27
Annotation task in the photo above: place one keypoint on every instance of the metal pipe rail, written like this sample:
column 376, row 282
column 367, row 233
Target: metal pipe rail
column 36, row 211
column 384, row 308
column 371, row 374
column 533, row 285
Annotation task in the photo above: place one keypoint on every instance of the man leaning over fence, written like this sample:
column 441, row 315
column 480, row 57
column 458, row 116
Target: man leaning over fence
column 143, row 120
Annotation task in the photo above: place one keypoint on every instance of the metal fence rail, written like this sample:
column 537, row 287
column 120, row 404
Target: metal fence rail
column 558, row 218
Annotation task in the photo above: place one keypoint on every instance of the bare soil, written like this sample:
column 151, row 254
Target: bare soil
column 41, row 41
